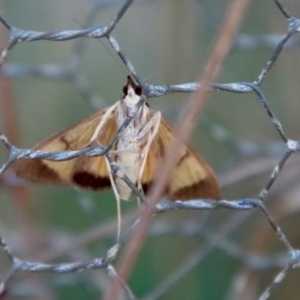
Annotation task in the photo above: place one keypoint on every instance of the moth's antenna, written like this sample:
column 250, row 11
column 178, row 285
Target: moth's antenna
column 114, row 57
column 107, row 49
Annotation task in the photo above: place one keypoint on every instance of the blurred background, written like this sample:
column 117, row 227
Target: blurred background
column 168, row 42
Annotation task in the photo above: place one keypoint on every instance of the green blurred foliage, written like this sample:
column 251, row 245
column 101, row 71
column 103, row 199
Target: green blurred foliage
column 168, row 42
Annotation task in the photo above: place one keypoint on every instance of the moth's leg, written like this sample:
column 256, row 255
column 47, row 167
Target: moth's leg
column 102, row 122
column 153, row 122
column 150, row 130
column 118, row 198
column 114, row 188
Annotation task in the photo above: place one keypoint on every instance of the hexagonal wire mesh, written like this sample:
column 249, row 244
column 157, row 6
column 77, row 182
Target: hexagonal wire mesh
column 209, row 248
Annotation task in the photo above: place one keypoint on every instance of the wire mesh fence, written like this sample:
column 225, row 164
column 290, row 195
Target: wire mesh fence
column 62, row 243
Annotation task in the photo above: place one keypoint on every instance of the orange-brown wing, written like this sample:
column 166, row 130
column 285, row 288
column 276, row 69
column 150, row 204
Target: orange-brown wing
column 85, row 172
column 192, row 177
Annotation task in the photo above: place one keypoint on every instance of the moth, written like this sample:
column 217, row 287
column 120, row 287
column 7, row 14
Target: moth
column 139, row 152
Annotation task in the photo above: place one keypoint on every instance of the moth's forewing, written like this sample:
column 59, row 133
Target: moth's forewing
column 192, row 177
column 85, row 172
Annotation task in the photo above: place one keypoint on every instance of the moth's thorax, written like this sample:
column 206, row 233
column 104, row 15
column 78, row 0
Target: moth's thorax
column 129, row 138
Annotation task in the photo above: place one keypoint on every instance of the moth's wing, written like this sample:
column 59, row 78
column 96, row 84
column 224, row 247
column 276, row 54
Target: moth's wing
column 192, row 178
column 85, row 172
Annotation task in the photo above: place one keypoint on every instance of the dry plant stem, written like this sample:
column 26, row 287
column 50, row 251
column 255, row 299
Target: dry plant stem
column 112, row 273
column 232, row 21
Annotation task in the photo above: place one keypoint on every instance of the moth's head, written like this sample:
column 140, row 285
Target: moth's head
column 132, row 92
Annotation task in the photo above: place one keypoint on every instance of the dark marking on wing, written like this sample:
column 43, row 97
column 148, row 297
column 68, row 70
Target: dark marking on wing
column 145, row 187
column 36, row 170
column 203, row 189
column 182, row 158
column 200, row 190
column 88, row 180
